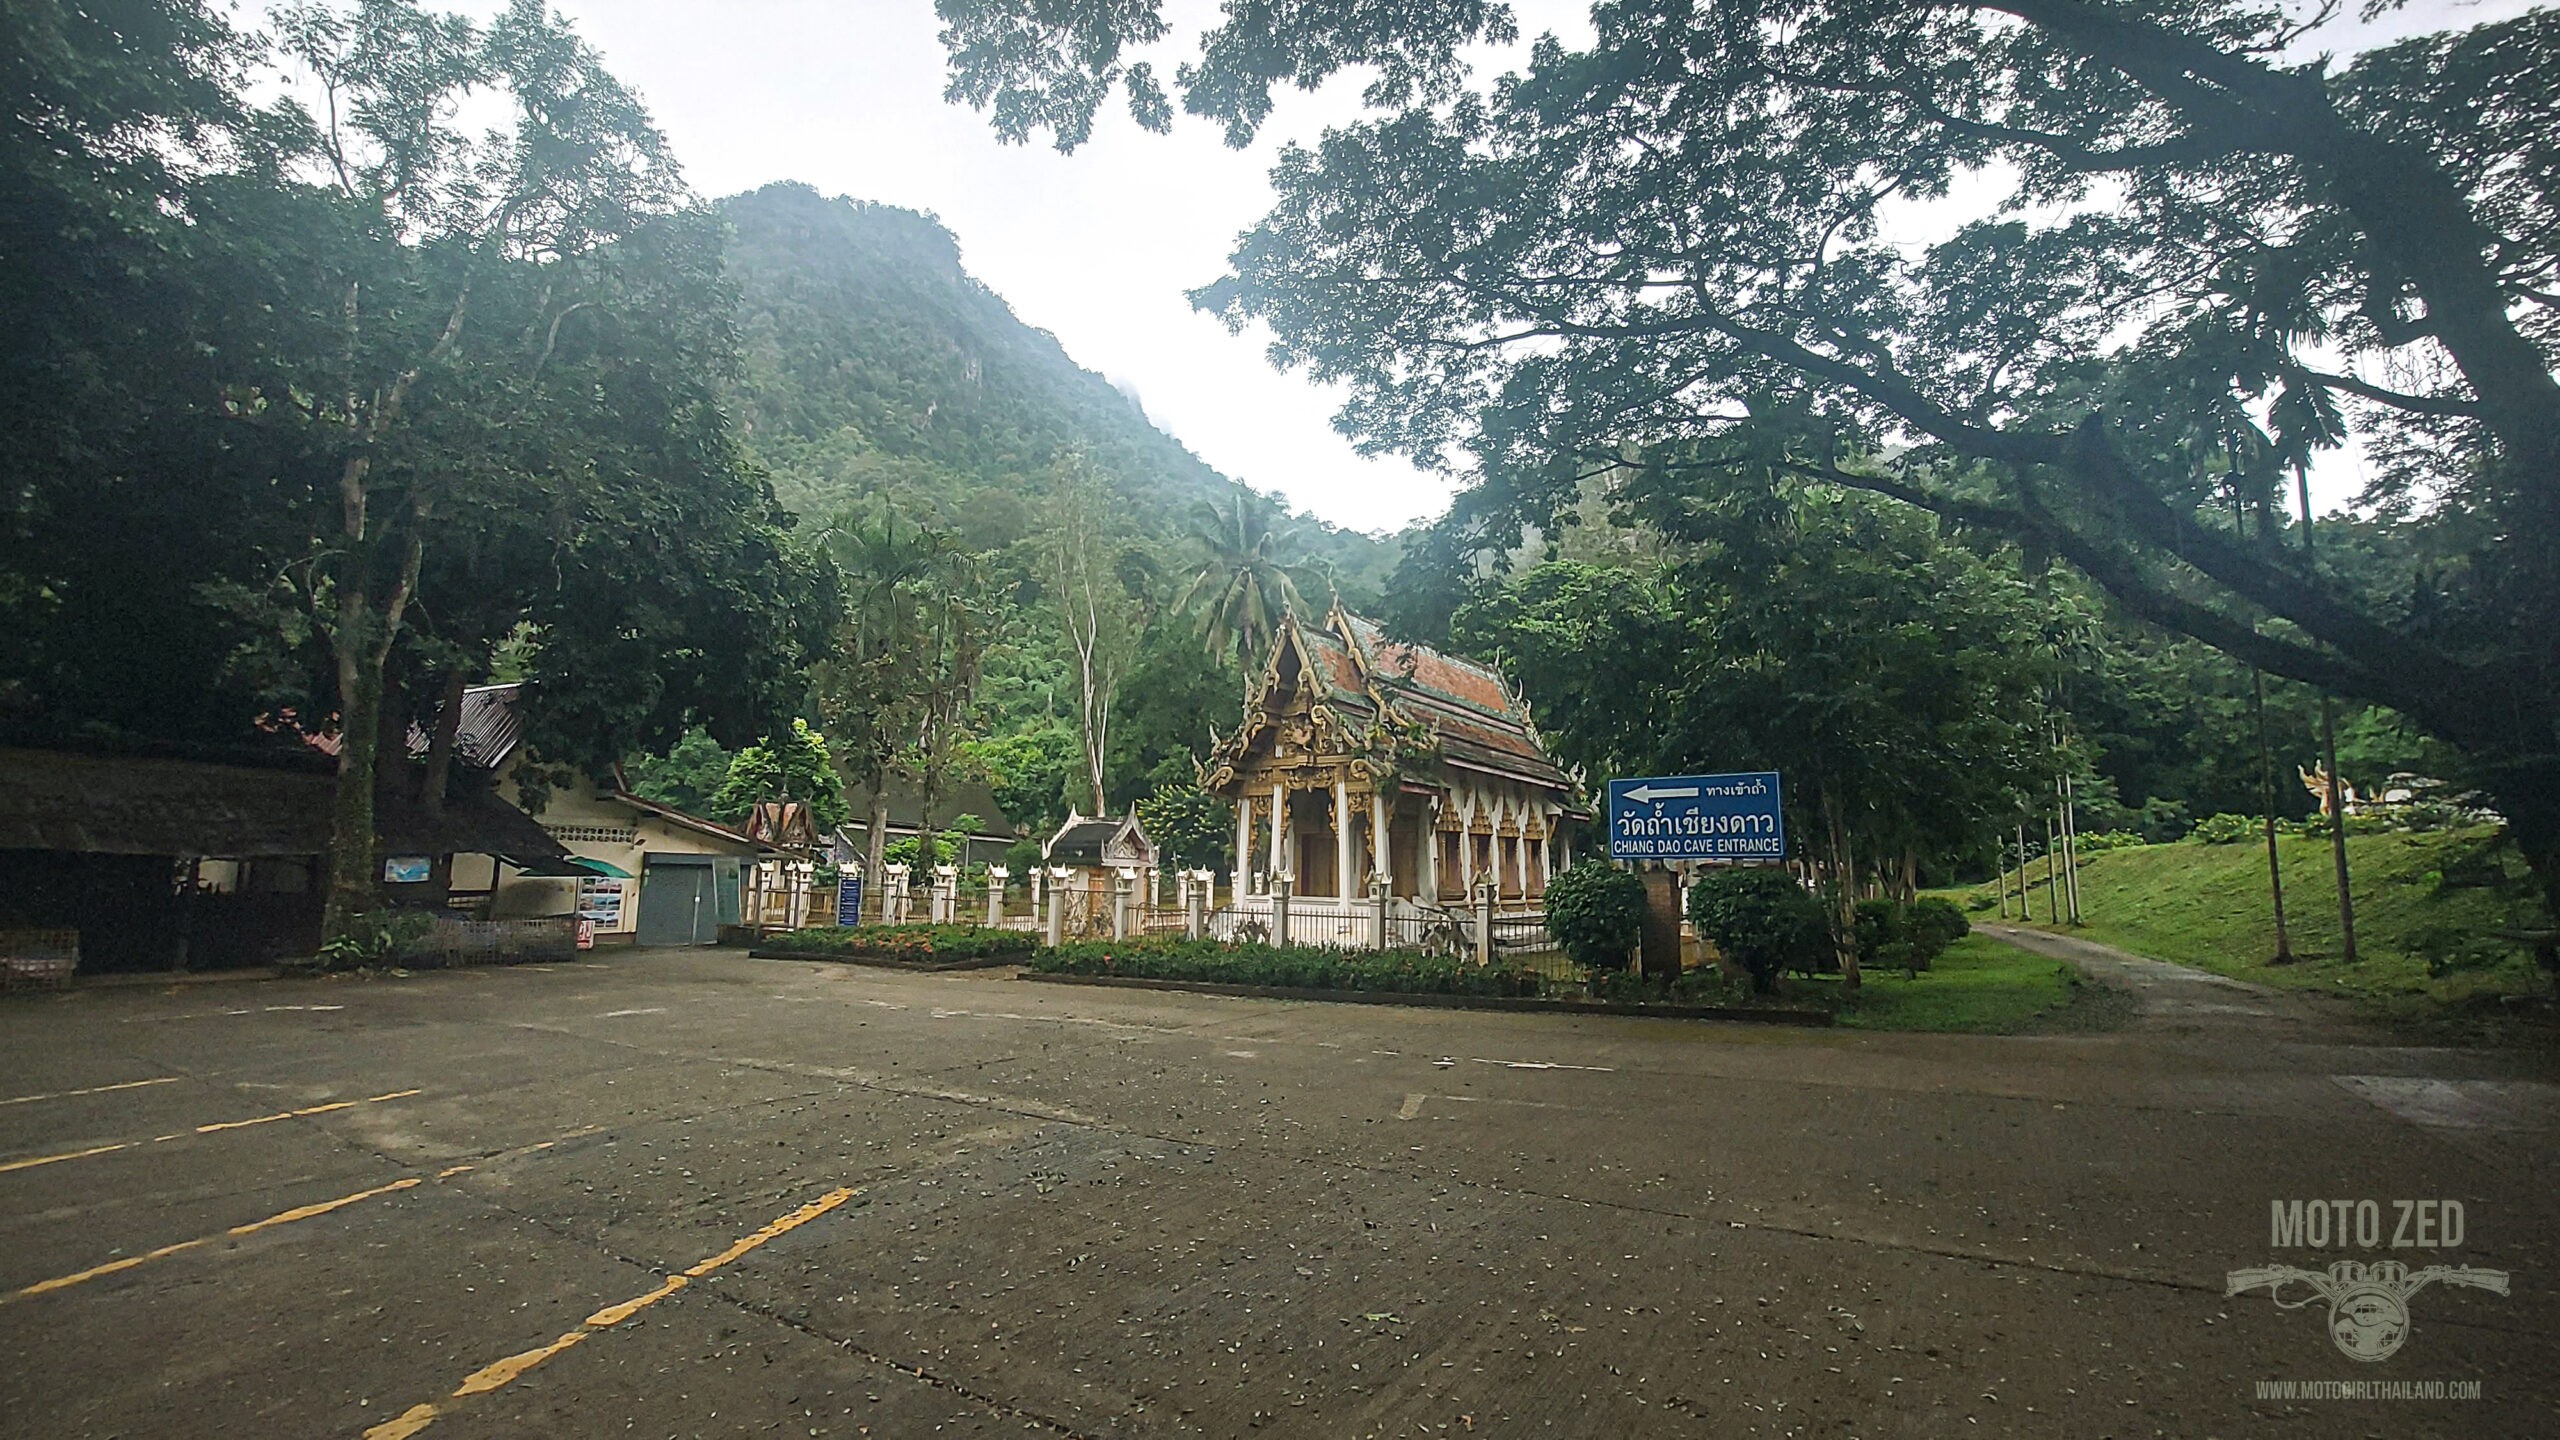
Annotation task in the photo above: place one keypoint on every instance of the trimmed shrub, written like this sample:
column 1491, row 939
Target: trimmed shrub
column 906, row 942
column 1304, row 967
column 1761, row 919
column 2226, row 829
column 1596, row 912
column 1938, row 923
column 1908, row 938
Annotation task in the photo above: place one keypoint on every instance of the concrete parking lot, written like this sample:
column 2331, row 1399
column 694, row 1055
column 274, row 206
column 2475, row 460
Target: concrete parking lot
column 689, row 1193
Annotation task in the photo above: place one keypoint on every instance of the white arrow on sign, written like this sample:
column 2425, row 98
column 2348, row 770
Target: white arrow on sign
column 1645, row 793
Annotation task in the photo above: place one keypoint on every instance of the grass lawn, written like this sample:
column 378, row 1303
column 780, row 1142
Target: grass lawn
column 2207, row 906
column 1979, row 986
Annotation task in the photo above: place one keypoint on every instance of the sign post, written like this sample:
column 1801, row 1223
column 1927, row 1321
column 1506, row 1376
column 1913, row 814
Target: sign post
column 848, row 897
column 1697, row 817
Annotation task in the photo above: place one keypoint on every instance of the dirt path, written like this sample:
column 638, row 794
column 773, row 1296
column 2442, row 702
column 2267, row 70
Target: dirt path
column 2179, row 997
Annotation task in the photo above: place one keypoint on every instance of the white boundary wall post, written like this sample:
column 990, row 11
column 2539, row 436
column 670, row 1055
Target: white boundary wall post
column 1124, row 885
column 1057, row 905
column 1282, row 882
column 1195, row 903
column 1484, row 920
column 893, row 895
column 946, row 894
column 996, row 876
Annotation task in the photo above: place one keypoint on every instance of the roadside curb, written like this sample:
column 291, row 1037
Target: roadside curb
column 1814, row 1018
column 879, row 962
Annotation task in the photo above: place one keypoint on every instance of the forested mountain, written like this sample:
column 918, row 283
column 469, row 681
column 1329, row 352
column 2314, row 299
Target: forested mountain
column 876, row 365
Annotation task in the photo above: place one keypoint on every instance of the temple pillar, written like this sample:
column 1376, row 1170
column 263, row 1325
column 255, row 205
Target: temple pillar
column 1429, row 868
column 1381, row 863
column 1244, row 840
column 1281, row 859
column 1346, row 851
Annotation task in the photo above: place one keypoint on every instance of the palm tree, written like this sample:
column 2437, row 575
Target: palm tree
column 1244, row 586
column 893, row 693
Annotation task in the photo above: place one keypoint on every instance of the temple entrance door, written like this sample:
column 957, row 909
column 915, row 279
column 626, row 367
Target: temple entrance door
column 1405, row 838
column 1316, row 860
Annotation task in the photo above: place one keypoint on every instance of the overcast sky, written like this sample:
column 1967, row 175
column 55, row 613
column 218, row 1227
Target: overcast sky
column 1096, row 247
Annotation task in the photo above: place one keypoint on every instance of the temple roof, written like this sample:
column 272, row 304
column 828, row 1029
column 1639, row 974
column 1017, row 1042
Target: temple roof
column 1458, row 708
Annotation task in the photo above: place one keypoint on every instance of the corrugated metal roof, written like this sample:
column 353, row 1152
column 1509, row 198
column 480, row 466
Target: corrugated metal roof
column 492, row 724
column 130, row 805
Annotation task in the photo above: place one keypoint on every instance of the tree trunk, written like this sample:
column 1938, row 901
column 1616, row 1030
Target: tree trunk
column 351, row 844
column 875, row 848
column 1844, row 909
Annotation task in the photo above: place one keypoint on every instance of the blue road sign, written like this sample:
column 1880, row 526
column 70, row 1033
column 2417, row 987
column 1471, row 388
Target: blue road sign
column 849, row 897
column 1697, row 817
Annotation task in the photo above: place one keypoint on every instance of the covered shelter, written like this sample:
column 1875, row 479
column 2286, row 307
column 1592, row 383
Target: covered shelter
column 179, row 861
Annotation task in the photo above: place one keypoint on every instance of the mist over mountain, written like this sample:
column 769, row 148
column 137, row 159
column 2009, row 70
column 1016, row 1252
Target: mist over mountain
column 876, row 365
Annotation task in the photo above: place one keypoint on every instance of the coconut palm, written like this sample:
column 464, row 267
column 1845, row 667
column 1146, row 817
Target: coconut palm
column 1244, row 585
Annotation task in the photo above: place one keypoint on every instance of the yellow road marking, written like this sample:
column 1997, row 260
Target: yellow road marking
column 490, row 1377
column 306, row 1110
column 34, row 1160
column 281, row 1217
column 305, row 1212
column 65, row 1282
column 92, row 1090
column 613, row 1315
column 31, row 1163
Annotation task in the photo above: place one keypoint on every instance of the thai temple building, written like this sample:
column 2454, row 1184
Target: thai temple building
column 1362, row 759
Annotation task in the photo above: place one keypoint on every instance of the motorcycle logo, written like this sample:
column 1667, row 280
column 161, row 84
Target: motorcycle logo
column 2368, row 1304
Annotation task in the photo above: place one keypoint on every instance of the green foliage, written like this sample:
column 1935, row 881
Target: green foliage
column 1888, row 673
column 2098, row 842
column 1599, row 266
column 906, row 942
column 686, row 777
column 923, row 852
column 1307, row 967
column 1243, row 587
column 1193, row 830
column 382, row 398
column 2206, row 906
column 1760, row 918
column 377, row 937
column 2227, row 829
column 1028, row 771
column 794, row 765
column 878, row 368
column 1596, row 912
column 1979, row 986
column 1160, row 725
column 1908, row 938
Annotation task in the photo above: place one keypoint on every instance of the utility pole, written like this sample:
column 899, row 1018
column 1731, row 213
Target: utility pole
column 2023, row 892
column 2066, row 825
column 2070, row 851
column 2052, row 907
column 2329, row 745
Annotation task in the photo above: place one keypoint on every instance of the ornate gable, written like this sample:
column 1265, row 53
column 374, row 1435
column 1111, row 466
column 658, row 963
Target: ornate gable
column 1341, row 700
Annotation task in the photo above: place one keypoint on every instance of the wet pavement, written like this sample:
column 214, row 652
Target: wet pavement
column 673, row 1193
